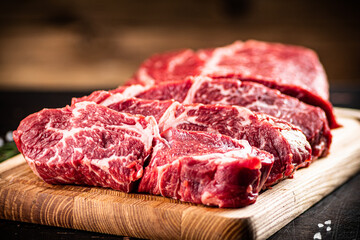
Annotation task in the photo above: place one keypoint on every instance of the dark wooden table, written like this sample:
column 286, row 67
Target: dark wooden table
column 341, row 207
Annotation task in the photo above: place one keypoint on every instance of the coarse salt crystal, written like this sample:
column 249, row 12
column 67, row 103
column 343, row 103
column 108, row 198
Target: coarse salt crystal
column 320, row 225
column 9, row 136
column 328, row 228
column 328, row 222
column 317, row 235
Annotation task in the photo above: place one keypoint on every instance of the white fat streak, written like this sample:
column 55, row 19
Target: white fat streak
column 168, row 116
column 296, row 139
column 229, row 156
column 218, row 54
column 80, row 106
column 179, row 59
column 196, row 83
column 244, row 113
column 53, row 158
column 32, row 164
column 158, row 147
column 63, row 179
column 150, row 132
column 104, row 165
column 134, row 90
column 262, row 105
column 144, row 77
column 117, row 97
column 208, row 198
column 87, row 162
column 170, row 120
column 160, row 171
column 129, row 92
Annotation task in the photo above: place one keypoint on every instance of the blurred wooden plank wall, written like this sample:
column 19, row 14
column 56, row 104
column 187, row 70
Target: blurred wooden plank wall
column 83, row 45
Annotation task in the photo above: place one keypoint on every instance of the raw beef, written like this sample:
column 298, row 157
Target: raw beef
column 295, row 71
column 87, row 144
column 101, row 95
column 206, row 168
column 285, row 141
column 254, row 96
column 174, row 65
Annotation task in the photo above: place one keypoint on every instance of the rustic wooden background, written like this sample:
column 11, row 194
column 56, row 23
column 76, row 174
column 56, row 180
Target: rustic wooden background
column 85, row 45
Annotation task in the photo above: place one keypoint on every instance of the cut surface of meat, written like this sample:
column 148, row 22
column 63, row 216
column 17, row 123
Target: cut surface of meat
column 278, row 137
column 87, row 144
column 285, row 141
column 294, row 70
column 206, row 168
column 160, row 110
column 256, row 97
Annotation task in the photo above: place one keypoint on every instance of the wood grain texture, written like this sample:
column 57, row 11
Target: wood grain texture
column 24, row 197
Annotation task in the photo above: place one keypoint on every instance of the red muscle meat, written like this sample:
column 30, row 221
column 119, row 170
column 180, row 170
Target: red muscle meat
column 206, row 168
column 256, row 97
column 295, row 71
column 280, row 138
column 87, row 144
column 212, row 126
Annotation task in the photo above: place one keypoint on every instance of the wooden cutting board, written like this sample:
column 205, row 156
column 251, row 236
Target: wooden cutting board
column 24, row 197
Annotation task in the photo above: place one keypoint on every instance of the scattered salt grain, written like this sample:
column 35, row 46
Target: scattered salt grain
column 320, row 225
column 317, row 235
column 328, row 222
column 328, row 228
column 9, row 136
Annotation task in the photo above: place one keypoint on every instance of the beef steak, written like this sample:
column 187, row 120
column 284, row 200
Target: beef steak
column 256, row 97
column 285, row 141
column 86, row 144
column 201, row 167
column 295, row 71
